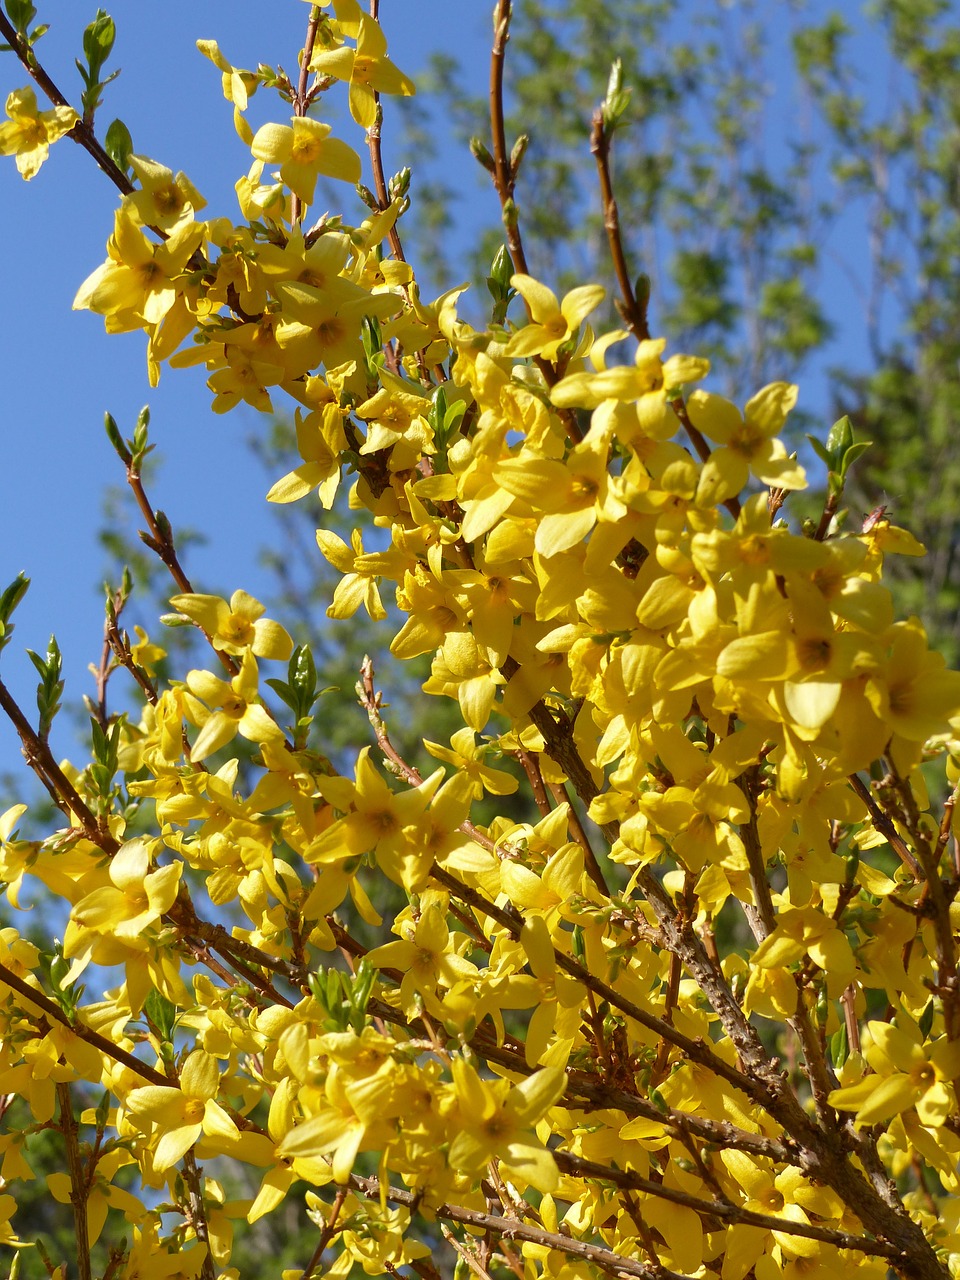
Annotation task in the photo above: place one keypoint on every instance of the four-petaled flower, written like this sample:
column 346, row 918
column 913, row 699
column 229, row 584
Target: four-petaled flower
column 29, row 131
column 177, row 1117
column 304, row 150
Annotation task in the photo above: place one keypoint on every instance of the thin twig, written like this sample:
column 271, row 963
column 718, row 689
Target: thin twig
column 53, row 1011
column 326, row 1235
column 372, row 700
column 79, row 1182
column 635, row 315
column 39, row 757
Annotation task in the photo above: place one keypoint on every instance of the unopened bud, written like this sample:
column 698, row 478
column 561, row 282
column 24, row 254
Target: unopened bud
column 480, row 152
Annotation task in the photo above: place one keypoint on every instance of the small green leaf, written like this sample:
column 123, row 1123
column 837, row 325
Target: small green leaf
column 119, row 145
column 852, row 454
column 821, row 450
column 839, row 440
column 8, row 603
column 116, row 439
column 480, row 152
column 839, row 1047
column 161, row 1013
column 925, row 1021
column 21, row 14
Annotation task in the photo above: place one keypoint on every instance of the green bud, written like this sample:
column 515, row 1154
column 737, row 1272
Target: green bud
column 480, row 152
column 518, row 152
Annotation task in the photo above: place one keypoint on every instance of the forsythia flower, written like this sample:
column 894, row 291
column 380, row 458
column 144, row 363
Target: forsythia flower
column 237, row 626
column 551, row 322
column 236, row 709
column 136, row 898
column 367, row 69
column 304, row 150
column 749, row 443
column 177, row 1117
column 29, row 131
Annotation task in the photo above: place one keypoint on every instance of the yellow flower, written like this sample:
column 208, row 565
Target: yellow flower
column 367, row 70
column 494, row 1121
column 164, row 200
column 917, row 694
column 375, row 815
column 180, row 1116
column 748, row 443
column 304, row 150
column 551, row 322
column 138, row 276
column 29, row 131
column 646, row 385
column 468, row 759
column 320, row 466
column 908, row 1074
column 136, row 898
column 103, row 1194
column 356, row 587
column 425, row 957
column 237, row 626
column 572, row 494
column 237, row 709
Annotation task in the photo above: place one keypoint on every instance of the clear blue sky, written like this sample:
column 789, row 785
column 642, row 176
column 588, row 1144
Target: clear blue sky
column 60, row 372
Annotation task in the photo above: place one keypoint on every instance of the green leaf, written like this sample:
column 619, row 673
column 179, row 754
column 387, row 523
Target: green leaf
column 119, row 145
column 925, row 1021
column 852, row 454
column 21, row 14
column 820, row 449
column 839, row 440
column 839, row 1048
column 116, row 439
column 8, row 603
column 161, row 1013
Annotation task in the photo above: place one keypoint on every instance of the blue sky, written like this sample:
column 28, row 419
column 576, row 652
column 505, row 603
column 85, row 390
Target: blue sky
column 60, row 371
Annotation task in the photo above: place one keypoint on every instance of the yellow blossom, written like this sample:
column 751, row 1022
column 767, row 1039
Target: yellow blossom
column 236, row 626
column 29, row 131
column 552, row 323
column 175, row 1118
column 304, row 150
column 367, row 70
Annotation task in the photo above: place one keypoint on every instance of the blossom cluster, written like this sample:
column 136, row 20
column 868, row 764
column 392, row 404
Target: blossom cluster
column 737, row 756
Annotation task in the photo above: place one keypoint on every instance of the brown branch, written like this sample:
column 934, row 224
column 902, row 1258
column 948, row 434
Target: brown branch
column 886, row 826
column 326, row 1235
column 53, row 1011
column 119, row 642
column 504, row 177
column 594, row 870
column 531, row 768
column 196, row 1212
column 79, row 1181
column 161, row 542
column 372, row 700
column 39, row 757
column 635, row 315
column 101, row 673
column 514, row 1229
column 697, row 1050
column 723, row 1210
column 301, row 96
